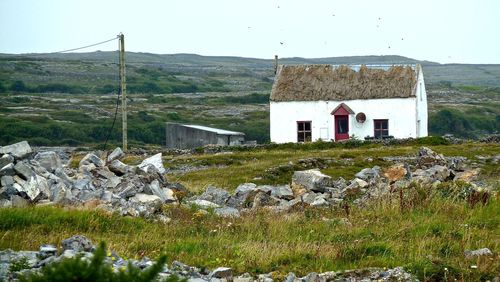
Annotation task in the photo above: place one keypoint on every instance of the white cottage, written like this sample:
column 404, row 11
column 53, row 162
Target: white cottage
column 331, row 103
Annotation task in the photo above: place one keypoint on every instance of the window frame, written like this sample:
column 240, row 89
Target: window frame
column 304, row 133
column 380, row 129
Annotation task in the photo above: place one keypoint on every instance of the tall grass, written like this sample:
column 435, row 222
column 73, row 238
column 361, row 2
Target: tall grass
column 428, row 238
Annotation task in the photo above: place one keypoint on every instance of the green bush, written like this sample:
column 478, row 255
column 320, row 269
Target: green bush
column 79, row 269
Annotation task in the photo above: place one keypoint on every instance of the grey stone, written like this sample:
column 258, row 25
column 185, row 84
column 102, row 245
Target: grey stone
column 91, row 158
column 7, row 170
column 47, row 251
column 428, row 158
column 282, row 192
column 116, row 154
column 319, row 202
column 119, row 168
column 166, row 195
column 60, row 193
column 204, row 204
column 146, row 199
column 311, row 180
column 242, row 196
column 368, row 174
column 262, row 199
column 156, row 161
column 6, row 180
column 18, row 202
column 78, row 243
column 17, row 150
column 48, row 160
column 478, row 253
column 7, row 191
column 83, row 184
column 5, row 160
column 227, row 212
column 127, row 190
column 24, row 170
column 106, row 196
column 215, row 195
column 222, row 272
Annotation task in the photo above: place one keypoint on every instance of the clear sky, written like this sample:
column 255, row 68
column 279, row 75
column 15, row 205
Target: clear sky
column 444, row 31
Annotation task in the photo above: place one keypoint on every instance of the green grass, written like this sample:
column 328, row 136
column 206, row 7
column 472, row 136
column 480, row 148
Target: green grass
column 425, row 239
column 229, row 170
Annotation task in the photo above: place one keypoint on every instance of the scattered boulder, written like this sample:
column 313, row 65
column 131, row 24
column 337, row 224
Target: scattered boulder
column 311, row 180
column 242, row 196
column 215, row 195
column 91, row 158
column 204, row 204
column 119, row 168
column 263, row 199
column 5, row 160
column 7, row 170
column 428, row 158
column 48, row 160
column 282, row 192
column 477, row 253
column 18, row 150
column 78, row 243
column 222, row 273
column 368, row 174
column 227, row 212
column 24, row 170
column 115, row 155
column 155, row 161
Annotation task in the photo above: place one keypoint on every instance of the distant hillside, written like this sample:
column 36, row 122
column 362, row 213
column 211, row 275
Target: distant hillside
column 99, row 67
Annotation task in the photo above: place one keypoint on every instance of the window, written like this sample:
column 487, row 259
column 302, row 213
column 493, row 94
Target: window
column 303, row 131
column 381, row 128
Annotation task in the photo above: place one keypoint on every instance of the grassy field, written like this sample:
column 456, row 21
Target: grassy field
column 271, row 166
column 427, row 232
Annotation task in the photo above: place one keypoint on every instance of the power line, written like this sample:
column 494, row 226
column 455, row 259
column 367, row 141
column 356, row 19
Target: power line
column 88, row 46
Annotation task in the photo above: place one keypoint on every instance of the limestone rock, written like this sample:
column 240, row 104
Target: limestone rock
column 203, row 204
column 78, row 243
column 227, row 212
column 478, row 253
column 311, row 180
column 5, row 160
column 282, row 192
column 368, row 174
column 17, row 150
column 7, row 170
column 116, row 154
column 262, row 199
column 24, row 170
column 48, row 160
column 215, row 195
column 222, row 273
column 91, row 158
column 119, row 168
column 242, row 196
column 156, row 161
column 428, row 158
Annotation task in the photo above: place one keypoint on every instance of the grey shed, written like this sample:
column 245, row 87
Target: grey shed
column 186, row 136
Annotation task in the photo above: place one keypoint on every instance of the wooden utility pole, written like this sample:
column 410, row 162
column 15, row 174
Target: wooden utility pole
column 123, row 90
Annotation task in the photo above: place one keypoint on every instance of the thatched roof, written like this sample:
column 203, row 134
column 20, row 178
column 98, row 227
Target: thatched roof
column 338, row 83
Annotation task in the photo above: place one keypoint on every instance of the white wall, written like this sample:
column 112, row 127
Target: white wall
column 401, row 113
column 421, row 105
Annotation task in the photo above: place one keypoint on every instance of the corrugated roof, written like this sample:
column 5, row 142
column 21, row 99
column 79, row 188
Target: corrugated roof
column 339, row 83
column 215, row 130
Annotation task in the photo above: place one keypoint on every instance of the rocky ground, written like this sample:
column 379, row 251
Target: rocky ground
column 78, row 245
column 103, row 181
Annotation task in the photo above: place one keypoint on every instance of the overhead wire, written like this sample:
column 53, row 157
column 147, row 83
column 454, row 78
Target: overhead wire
column 87, row 46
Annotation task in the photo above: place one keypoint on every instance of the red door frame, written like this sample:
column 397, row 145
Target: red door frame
column 338, row 119
column 340, row 113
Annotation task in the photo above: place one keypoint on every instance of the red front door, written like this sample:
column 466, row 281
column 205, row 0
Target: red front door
column 341, row 127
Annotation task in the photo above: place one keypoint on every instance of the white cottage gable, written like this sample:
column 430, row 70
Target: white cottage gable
column 332, row 103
